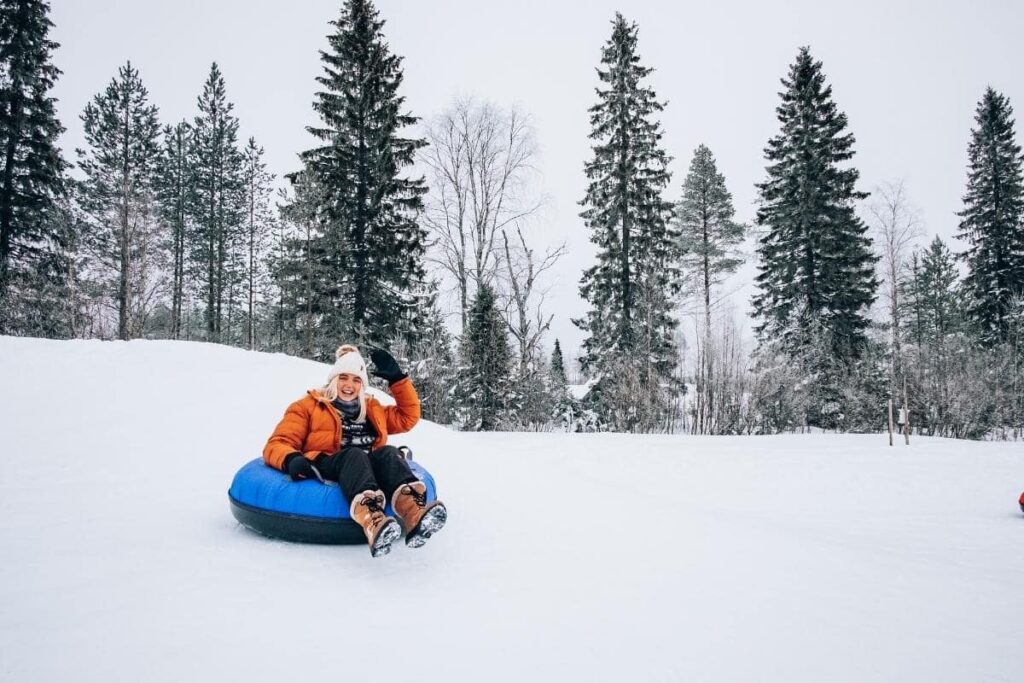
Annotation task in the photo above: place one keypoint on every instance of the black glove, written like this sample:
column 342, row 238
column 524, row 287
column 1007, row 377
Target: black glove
column 299, row 467
column 385, row 366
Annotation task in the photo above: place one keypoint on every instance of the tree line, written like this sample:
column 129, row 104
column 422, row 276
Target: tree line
column 830, row 352
column 423, row 243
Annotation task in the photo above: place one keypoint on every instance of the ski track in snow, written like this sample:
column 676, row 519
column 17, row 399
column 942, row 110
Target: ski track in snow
column 592, row 557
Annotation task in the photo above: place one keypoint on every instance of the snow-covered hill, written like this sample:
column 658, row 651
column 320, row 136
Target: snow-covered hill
column 566, row 557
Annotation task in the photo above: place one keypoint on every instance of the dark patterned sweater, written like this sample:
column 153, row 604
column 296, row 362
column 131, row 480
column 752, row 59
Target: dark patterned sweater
column 361, row 434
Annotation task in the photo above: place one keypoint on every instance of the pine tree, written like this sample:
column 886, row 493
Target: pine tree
column 992, row 217
column 816, row 261
column 256, row 184
column 629, row 346
column 484, row 386
column 219, row 208
column 175, row 187
column 709, row 239
column 370, row 209
column 32, row 182
column 120, row 166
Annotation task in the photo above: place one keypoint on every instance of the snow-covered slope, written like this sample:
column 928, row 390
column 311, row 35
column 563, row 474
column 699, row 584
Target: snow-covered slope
column 566, row 557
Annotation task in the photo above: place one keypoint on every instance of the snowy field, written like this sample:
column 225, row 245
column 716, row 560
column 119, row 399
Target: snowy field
column 566, row 557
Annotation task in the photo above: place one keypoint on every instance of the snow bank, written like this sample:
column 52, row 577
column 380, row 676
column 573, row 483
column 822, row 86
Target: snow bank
column 591, row 557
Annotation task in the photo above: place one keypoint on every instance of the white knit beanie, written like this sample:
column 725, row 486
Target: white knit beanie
column 350, row 361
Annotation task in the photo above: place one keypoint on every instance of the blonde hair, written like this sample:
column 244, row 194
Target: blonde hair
column 330, row 390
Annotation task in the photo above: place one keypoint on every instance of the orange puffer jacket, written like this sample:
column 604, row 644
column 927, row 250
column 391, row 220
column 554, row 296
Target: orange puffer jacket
column 311, row 425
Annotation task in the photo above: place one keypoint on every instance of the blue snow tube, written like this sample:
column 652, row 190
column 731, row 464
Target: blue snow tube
column 267, row 501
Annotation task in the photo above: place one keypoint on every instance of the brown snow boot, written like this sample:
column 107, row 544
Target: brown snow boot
column 420, row 519
column 381, row 530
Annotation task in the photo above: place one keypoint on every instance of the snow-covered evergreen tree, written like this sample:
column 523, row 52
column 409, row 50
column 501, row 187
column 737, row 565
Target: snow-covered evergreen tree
column 557, row 370
column 709, row 239
column 484, row 386
column 256, row 186
column 816, row 263
column 566, row 410
column 935, row 305
column 32, row 172
column 46, row 294
column 120, row 165
column 311, row 316
column 992, row 217
column 810, row 386
column 629, row 346
column 219, row 205
column 955, row 386
column 175, row 188
column 370, row 208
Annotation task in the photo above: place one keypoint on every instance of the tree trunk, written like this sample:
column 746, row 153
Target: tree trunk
column 709, row 390
column 7, row 199
column 252, row 267
column 890, row 420
column 125, row 254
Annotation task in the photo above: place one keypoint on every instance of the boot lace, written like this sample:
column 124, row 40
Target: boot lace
column 419, row 498
column 373, row 505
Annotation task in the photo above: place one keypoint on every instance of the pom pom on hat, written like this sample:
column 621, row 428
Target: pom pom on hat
column 349, row 361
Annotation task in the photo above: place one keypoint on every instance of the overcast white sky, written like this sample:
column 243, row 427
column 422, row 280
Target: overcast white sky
column 908, row 75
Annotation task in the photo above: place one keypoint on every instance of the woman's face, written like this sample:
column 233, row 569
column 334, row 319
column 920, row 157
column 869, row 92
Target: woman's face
column 349, row 386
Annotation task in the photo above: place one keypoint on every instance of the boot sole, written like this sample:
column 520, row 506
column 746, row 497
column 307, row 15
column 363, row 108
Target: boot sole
column 432, row 521
column 388, row 535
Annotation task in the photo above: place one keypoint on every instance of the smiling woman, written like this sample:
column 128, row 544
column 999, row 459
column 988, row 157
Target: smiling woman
column 338, row 433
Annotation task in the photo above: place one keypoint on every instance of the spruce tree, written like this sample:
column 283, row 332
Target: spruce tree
column 943, row 365
column 936, row 299
column 992, row 217
column 709, row 238
column 369, row 208
column 120, row 166
column 558, row 376
column 219, row 208
column 175, row 187
column 566, row 410
column 32, row 172
column 484, row 385
column 309, row 318
column 816, row 268
column 629, row 346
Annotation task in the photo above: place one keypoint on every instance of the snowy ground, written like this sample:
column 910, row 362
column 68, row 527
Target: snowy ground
column 566, row 557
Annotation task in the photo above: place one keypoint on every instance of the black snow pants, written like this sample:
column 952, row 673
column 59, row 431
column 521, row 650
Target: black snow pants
column 357, row 470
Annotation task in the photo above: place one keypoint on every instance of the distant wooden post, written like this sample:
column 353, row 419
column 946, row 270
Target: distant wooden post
column 906, row 413
column 890, row 421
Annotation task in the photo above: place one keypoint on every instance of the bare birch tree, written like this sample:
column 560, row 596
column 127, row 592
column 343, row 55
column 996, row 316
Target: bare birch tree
column 897, row 227
column 525, row 299
column 480, row 158
column 527, row 322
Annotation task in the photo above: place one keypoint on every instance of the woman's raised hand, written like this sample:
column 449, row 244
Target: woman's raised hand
column 385, row 366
